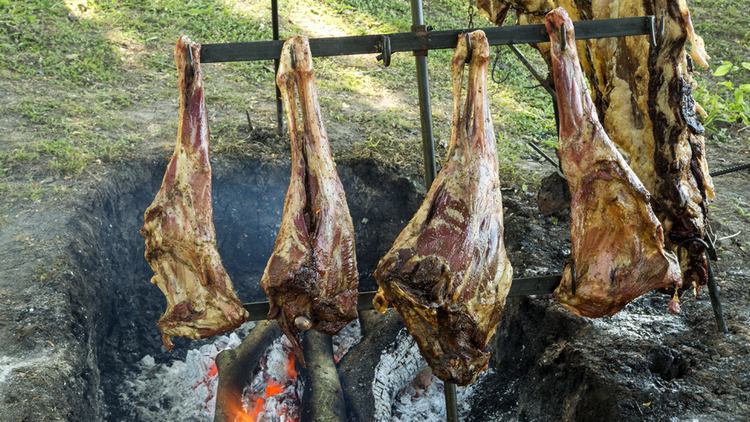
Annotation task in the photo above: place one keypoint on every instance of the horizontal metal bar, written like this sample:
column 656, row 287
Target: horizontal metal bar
column 543, row 285
column 420, row 41
column 732, row 169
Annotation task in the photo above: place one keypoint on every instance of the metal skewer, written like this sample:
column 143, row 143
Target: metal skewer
column 423, row 40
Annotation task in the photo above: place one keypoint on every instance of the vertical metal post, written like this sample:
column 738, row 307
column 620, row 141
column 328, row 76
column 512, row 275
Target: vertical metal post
column 279, row 106
column 428, row 151
column 451, row 407
column 713, row 293
column 425, row 113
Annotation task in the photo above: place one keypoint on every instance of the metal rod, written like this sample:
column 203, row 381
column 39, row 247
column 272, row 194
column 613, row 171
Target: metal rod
column 542, row 81
column 542, row 153
column 425, row 109
column 451, row 405
column 530, row 286
column 423, row 40
column 713, row 293
column 731, row 169
column 279, row 106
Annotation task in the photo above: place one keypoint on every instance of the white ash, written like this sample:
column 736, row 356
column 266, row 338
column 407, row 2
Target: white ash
column 11, row 366
column 638, row 320
column 398, row 366
column 179, row 390
column 345, row 339
column 404, row 388
column 423, row 399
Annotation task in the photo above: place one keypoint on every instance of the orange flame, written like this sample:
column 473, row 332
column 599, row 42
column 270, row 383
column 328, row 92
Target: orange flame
column 273, row 389
column 256, row 409
column 213, row 370
column 291, row 368
column 238, row 414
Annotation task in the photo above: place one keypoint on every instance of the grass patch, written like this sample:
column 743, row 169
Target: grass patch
column 94, row 81
column 724, row 26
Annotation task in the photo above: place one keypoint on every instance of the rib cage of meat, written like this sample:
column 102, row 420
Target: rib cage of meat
column 617, row 242
column 447, row 273
column 178, row 225
column 643, row 97
column 311, row 278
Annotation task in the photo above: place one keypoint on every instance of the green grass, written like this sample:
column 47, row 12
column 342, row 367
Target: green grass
column 95, row 83
column 725, row 26
column 89, row 82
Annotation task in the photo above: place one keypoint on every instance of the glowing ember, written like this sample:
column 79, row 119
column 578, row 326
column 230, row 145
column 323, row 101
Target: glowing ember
column 189, row 385
column 291, row 368
column 213, row 370
column 275, row 392
column 273, row 389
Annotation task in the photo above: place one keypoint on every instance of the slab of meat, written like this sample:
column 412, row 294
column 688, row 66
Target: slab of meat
column 311, row 278
column 178, row 225
column 447, row 273
column 643, row 95
column 617, row 241
column 683, row 183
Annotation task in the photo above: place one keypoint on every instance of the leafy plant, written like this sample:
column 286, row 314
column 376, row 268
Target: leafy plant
column 729, row 102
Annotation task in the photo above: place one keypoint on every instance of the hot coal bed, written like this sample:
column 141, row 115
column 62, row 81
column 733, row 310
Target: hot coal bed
column 540, row 351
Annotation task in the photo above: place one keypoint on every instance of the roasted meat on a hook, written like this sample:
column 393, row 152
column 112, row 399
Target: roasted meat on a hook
column 178, row 225
column 617, row 241
column 311, row 278
column 447, row 273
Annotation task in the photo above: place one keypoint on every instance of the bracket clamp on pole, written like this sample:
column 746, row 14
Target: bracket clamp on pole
column 421, row 30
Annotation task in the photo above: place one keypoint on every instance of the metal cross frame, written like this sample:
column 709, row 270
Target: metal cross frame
column 419, row 41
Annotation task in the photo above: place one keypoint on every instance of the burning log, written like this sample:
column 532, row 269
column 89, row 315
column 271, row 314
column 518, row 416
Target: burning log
column 323, row 396
column 236, row 368
column 357, row 368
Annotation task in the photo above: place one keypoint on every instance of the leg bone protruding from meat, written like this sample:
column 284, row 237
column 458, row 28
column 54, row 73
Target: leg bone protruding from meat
column 447, row 273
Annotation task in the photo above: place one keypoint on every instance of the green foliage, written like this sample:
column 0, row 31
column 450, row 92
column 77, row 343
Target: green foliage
column 728, row 102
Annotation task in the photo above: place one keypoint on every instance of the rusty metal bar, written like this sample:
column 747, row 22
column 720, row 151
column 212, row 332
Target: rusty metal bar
column 530, row 286
column 423, row 40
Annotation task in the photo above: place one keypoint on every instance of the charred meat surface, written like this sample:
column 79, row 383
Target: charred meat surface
column 447, row 273
column 684, row 185
column 178, row 225
column 617, row 242
column 643, row 96
column 311, row 278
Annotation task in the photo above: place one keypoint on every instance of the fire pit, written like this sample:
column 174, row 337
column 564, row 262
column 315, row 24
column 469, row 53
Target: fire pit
column 248, row 199
column 122, row 373
column 382, row 376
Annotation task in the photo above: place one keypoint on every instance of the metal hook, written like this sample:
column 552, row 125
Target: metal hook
column 707, row 245
column 563, row 38
column 190, row 57
column 468, row 47
column 292, row 59
column 385, row 50
column 652, row 30
column 662, row 28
